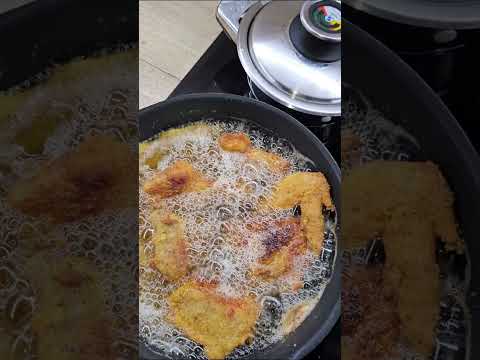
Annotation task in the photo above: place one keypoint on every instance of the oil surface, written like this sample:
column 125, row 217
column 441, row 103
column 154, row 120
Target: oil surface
column 94, row 103
column 381, row 139
column 222, row 248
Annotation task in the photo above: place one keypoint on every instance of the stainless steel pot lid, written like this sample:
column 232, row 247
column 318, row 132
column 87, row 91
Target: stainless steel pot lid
column 285, row 48
column 441, row 14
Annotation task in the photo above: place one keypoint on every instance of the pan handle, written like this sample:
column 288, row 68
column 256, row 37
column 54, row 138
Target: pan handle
column 230, row 13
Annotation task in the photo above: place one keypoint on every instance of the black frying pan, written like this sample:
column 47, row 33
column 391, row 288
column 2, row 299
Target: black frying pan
column 46, row 32
column 224, row 107
column 404, row 97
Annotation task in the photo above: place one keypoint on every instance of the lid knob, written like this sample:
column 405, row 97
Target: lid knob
column 323, row 19
column 317, row 31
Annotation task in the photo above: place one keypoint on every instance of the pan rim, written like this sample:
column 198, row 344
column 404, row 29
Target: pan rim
column 432, row 104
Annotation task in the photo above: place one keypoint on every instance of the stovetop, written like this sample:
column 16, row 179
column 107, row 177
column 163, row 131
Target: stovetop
column 218, row 70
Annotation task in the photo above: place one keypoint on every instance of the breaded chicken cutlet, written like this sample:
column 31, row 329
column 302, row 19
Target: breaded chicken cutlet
column 96, row 176
column 170, row 254
column 272, row 161
column 218, row 323
column 283, row 240
column 310, row 191
column 202, row 311
column 240, row 142
column 409, row 205
column 178, row 178
column 70, row 304
column 369, row 316
column 151, row 152
column 235, row 142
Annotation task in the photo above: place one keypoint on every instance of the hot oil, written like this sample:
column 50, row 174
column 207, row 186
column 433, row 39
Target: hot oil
column 110, row 107
column 222, row 246
column 381, row 139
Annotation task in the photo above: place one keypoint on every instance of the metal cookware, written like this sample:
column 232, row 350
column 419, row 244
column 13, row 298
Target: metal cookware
column 225, row 107
column 42, row 33
column 405, row 99
column 291, row 50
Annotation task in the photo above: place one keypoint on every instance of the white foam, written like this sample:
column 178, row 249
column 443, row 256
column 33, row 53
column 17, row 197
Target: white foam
column 221, row 247
column 94, row 109
column 382, row 139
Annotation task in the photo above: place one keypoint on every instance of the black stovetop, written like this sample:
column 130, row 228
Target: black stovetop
column 218, row 70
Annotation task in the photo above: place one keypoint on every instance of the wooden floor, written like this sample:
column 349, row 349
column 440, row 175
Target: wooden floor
column 173, row 36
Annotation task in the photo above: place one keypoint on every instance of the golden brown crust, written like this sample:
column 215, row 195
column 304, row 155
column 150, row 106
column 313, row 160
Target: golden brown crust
column 409, row 205
column 283, row 241
column 313, row 222
column 170, row 254
column 311, row 191
column 94, row 177
column 69, row 305
column 409, row 189
column 219, row 323
column 178, row 178
column 235, row 142
column 151, row 152
column 240, row 142
column 370, row 319
column 274, row 162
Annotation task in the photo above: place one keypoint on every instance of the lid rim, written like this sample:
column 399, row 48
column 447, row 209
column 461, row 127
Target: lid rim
column 278, row 86
column 327, row 109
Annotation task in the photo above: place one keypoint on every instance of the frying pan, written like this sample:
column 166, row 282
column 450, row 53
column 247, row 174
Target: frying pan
column 405, row 99
column 225, row 107
column 46, row 32
column 440, row 14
